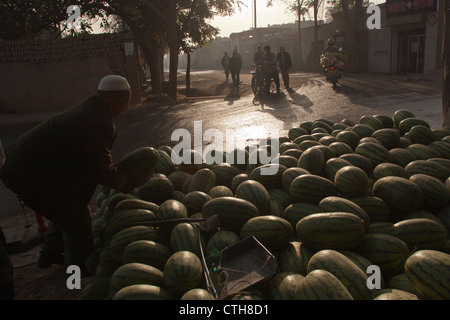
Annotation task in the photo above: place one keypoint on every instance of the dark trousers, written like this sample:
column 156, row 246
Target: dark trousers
column 235, row 77
column 69, row 230
column 227, row 72
column 285, row 76
column 6, row 272
column 276, row 78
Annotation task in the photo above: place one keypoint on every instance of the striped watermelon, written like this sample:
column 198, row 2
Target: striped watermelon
column 388, row 169
column 387, row 121
column 401, row 157
column 395, row 294
column 256, row 193
column 430, row 168
column 225, row 172
column 158, row 189
column 287, row 161
column 289, row 175
column 428, row 271
column 296, row 132
column 327, row 140
column 386, row 227
column 401, row 195
column 139, row 162
column 322, row 285
column 236, row 181
column 281, row 196
column 340, row 148
column 386, row 251
column 273, row 232
column 421, row 134
column 304, row 145
column 194, row 201
column 296, row 211
column 333, row 165
column 350, row 138
column 182, row 272
column 363, row 130
column 126, row 236
column 338, row 204
column 348, row 273
column 285, row 286
column 134, row 273
column 185, row 237
column 335, row 230
column 172, row 209
column 359, row 161
column 351, row 181
column 401, row 282
column 220, row 240
column 165, row 164
column 203, row 180
column 272, row 180
column 324, row 124
column 197, row 294
column 400, row 115
column 178, row 178
column 307, row 125
column 390, row 138
column 375, row 207
column 312, row 160
column 127, row 218
column 147, row 252
column 435, row 193
column 128, row 204
column 423, row 152
column 233, row 212
column 143, row 292
column 372, row 122
column 303, row 138
column 296, row 153
column 288, row 146
column 406, row 124
column 294, row 258
column 419, row 233
column 442, row 147
column 374, row 152
column 311, row 188
column 220, row 191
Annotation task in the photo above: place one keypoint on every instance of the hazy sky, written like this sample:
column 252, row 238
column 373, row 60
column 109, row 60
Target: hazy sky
column 276, row 14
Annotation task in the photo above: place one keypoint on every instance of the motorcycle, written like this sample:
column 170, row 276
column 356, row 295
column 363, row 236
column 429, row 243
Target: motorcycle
column 332, row 74
column 333, row 64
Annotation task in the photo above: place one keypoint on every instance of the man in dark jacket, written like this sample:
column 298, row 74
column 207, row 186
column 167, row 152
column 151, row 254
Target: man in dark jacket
column 55, row 168
column 285, row 63
column 235, row 67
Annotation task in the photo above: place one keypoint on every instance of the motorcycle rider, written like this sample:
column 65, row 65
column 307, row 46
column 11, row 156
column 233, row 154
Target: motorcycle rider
column 270, row 68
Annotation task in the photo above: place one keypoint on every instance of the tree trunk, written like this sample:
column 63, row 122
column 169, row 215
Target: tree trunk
column 299, row 34
column 173, row 47
column 155, row 70
column 446, row 65
column 188, row 75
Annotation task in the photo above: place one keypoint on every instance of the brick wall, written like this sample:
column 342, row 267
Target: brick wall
column 52, row 75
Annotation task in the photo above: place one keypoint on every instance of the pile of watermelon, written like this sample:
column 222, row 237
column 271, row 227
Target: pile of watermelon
column 348, row 199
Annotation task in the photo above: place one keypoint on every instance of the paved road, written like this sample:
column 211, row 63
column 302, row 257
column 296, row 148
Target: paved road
column 313, row 98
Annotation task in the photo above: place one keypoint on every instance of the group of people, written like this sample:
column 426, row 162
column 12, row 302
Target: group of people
column 269, row 61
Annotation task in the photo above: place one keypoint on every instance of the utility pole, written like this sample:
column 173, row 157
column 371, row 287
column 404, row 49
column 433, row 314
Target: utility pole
column 254, row 11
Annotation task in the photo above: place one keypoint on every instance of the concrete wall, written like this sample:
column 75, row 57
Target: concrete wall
column 431, row 39
column 52, row 75
column 379, row 47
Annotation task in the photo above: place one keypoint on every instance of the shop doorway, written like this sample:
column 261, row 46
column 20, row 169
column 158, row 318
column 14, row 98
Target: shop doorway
column 411, row 52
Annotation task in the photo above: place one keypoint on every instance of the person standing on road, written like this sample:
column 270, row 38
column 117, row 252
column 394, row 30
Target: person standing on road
column 285, row 63
column 269, row 63
column 258, row 55
column 226, row 65
column 235, row 67
column 55, row 168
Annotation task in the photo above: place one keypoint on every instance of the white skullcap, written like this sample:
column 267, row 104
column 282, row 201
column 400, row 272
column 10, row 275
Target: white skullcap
column 113, row 83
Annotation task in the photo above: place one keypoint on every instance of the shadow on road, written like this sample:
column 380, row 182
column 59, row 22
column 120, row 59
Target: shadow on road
column 233, row 95
column 278, row 106
column 300, row 100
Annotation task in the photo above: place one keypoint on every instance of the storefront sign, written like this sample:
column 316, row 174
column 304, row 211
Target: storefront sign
column 396, row 8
